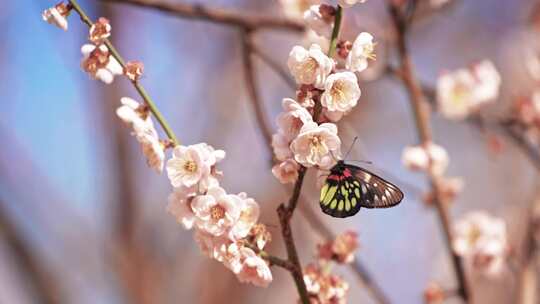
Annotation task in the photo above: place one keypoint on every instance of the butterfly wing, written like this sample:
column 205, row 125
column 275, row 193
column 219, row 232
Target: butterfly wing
column 375, row 192
column 339, row 195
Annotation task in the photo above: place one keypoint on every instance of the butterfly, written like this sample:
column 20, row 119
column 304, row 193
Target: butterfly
column 349, row 187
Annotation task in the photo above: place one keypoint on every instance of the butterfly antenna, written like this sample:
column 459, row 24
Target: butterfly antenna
column 332, row 154
column 350, row 148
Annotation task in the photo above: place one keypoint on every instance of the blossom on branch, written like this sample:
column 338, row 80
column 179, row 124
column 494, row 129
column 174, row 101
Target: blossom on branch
column 134, row 70
column 340, row 250
column 362, row 50
column 323, row 287
column 420, row 158
column 100, row 31
column 293, row 117
column 57, row 15
column 317, row 145
column 99, row 63
column 138, row 118
column 286, row 171
column 341, row 92
column 482, row 240
column 216, row 211
column 320, row 18
column 310, row 66
column 464, row 91
column 253, row 269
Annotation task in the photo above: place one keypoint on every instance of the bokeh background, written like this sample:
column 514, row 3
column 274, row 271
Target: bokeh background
column 83, row 218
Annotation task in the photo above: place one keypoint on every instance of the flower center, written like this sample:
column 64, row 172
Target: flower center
column 460, row 93
column 190, row 166
column 474, row 235
column 338, row 91
column 310, row 65
column 368, row 51
column 217, row 212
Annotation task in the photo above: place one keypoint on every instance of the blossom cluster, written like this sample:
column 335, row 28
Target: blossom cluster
column 323, row 286
column 226, row 225
column 481, row 240
column 434, row 159
column 463, row 91
column 327, row 90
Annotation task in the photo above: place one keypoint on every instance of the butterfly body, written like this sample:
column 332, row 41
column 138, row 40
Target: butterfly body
column 349, row 187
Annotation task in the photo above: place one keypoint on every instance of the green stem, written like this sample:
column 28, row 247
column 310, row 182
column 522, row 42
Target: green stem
column 335, row 31
column 140, row 89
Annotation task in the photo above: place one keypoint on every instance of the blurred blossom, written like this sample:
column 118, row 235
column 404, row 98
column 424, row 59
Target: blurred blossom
column 348, row 3
column 99, row 63
column 320, row 19
column 286, row 171
column 418, row 158
column 323, row 287
column 532, row 62
column 438, row 3
column 362, row 50
column 100, row 31
column 317, row 145
column 434, row 294
column 310, row 66
column 296, row 8
column 340, row 250
column 482, row 240
column 341, row 92
column 57, row 15
column 138, row 118
column 461, row 92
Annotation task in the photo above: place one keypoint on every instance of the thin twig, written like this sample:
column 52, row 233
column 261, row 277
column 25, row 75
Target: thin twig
column 140, row 89
column 421, row 114
column 216, row 15
column 251, row 86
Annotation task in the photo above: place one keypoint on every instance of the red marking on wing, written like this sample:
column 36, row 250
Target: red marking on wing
column 347, row 173
column 334, row 177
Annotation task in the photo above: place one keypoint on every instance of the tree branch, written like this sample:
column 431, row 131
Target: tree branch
column 216, row 15
column 421, row 115
column 42, row 283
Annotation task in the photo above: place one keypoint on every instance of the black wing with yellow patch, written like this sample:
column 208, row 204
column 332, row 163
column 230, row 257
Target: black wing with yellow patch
column 349, row 187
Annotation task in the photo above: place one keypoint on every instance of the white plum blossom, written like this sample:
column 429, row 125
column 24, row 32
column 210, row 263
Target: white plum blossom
column 253, row 269
column 193, row 164
column 215, row 247
column 286, row 171
column 316, row 21
column 463, row 91
column 249, row 215
column 216, row 212
column 99, row 63
column 362, row 50
column 293, row 117
column 418, row 158
column 341, row 92
column 57, row 15
column 317, row 145
column 482, row 240
column 310, row 66
column 135, row 115
column 179, row 206
column 281, row 146
column 187, row 166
